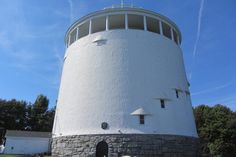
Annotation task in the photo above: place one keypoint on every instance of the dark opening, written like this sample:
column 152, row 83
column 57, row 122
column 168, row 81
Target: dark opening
column 162, row 103
column 73, row 36
column 175, row 36
column 153, row 25
column 117, row 22
column 98, row 24
column 166, row 30
column 177, row 93
column 141, row 119
column 135, row 21
column 83, row 30
column 102, row 149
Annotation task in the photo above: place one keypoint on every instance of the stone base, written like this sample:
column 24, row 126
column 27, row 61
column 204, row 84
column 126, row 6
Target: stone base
column 134, row 145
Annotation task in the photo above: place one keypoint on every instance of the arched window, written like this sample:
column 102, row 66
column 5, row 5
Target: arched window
column 102, row 149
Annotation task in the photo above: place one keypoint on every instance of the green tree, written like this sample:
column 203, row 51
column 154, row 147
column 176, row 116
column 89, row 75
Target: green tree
column 20, row 115
column 217, row 130
column 41, row 119
column 40, row 105
column 12, row 114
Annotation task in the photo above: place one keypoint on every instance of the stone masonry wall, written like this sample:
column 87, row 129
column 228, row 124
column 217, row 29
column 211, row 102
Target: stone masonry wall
column 135, row 145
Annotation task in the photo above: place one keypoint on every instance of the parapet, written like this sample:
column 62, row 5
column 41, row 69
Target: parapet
column 126, row 18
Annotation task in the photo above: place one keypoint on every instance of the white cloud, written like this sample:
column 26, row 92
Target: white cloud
column 71, row 10
column 229, row 101
column 212, row 89
column 5, row 40
column 200, row 13
column 59, row 64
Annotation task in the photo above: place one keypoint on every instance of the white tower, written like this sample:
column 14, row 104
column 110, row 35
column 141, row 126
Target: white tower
column 124, row 89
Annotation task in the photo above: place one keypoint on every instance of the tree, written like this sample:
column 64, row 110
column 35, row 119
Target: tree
column 41, row 119
column 41, row 104
column 20, row 115
column 217, row 130
column 46, row 122
column 12, row 114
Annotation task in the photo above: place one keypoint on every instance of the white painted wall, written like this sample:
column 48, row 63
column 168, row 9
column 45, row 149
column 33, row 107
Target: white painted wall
column 107, row 83
column 26, row 145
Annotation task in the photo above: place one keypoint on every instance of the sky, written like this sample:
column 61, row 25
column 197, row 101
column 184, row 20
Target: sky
column 32, row 45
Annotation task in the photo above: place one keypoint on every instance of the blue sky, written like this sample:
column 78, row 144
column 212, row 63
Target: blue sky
column 32, row 44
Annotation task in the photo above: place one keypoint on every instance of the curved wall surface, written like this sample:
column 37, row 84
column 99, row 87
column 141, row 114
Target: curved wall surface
column 108, row 76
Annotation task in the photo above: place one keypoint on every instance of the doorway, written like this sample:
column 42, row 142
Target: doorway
column 102, row 149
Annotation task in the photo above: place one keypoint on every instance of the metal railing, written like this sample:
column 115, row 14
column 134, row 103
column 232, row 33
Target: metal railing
column 122, row 6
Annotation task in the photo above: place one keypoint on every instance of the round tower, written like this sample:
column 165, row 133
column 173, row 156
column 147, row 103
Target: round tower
column 124, row 89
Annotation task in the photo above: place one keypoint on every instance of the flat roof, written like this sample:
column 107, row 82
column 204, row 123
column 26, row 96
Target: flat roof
column 18, row 133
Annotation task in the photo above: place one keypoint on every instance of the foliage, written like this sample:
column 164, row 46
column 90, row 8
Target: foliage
column 20, row 115
column 41, row 104
column 216, row 128
column 12, row 114
column 216, row 125
column 39, row 117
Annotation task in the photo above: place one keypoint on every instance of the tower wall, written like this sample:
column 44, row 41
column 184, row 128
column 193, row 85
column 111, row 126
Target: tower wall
column 124, row 91
column 106, row 83
column 133, row 145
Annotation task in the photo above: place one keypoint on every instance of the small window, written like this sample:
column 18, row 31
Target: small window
column 135, row 22
column 175, row 36
column 153, row 25
column 141, row 119
column 83, row 30
column 162, row 103
column 187, row 93
column 116, row 22
column 188, row 83
column 177, row 93
column 73, row 36
column 98, row 24
column 166, row 30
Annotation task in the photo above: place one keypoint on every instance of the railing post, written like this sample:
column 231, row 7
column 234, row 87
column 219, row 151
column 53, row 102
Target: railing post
column 126, row 21
column 145, row 22
column 160, row 25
